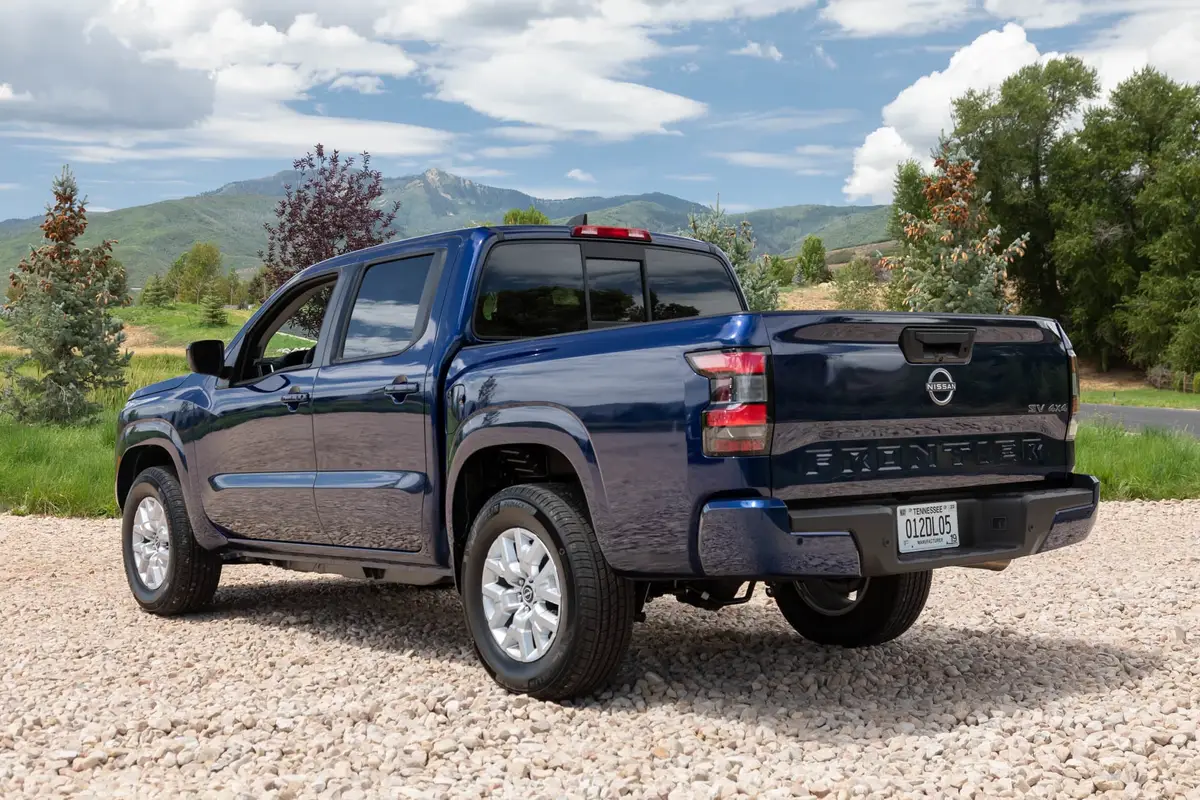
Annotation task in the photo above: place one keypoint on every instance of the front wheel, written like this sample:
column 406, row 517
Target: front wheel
column 854, row 613
column 168, row 572
column 548, row 616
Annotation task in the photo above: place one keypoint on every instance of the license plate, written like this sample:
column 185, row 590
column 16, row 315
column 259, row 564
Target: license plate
column 933, row 526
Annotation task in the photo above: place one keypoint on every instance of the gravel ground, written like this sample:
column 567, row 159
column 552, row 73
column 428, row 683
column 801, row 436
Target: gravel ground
column 1072, row 674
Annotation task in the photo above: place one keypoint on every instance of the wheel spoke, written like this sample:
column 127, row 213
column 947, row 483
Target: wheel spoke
column 545, row 585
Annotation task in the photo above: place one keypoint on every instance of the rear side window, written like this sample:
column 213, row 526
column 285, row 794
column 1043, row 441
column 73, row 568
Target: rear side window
column 531, row 289
column 688, row 284
column 387, row 308
column 615, row 290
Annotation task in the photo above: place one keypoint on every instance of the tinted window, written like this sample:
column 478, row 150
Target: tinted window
column 387, row 307
column 615, row 290
column 531, row 289
column 686, row 284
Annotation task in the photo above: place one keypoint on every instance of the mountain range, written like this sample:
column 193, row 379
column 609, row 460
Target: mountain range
column 150, row 237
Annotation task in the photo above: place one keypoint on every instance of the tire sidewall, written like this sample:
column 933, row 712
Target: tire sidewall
column 148, row 485
column 499, row 516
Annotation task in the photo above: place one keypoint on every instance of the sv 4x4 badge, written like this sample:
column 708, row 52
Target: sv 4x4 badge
column 1047, row 408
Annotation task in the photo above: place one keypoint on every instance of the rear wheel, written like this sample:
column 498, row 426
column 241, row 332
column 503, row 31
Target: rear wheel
column 854, row 613
column 168, row 572
column 548, row 616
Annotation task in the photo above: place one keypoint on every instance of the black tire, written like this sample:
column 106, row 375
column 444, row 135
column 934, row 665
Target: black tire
column 597, row 610
column 888, row 607
column 192, row 572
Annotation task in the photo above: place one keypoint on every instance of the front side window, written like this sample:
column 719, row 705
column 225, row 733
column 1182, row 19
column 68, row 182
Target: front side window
column 287, row 337
column 386, row 311
column 531, row 289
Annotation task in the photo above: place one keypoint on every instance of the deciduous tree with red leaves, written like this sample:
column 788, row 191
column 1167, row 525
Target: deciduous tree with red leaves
column 337, row 208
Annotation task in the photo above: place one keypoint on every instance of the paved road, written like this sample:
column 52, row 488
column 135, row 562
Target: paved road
column 1134, row 417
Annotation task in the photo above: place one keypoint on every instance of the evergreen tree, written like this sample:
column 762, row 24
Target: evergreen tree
column 952, row 263
column 154, row 293
column 811, row 267
column 737, row 242
column 212, row 311
column 62, row 298
column 908, row 197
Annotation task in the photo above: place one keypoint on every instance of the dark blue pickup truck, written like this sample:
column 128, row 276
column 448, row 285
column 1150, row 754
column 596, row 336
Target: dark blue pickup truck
column 567, row 422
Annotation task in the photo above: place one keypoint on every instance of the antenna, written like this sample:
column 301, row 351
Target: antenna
column 578, row 219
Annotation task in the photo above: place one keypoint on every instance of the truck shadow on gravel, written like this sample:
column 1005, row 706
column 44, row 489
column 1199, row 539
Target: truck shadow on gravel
column 740, row 664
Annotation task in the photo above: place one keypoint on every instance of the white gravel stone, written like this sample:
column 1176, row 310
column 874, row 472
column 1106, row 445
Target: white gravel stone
column 1064, row 676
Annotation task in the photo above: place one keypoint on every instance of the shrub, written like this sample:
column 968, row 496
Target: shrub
column 810, row 264
column 525, row 216
column 783, row 270
column 1159, row 376
column 1178, row 379
column 855, row 287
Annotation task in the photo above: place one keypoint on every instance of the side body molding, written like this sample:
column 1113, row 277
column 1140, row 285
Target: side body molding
column 542, row 424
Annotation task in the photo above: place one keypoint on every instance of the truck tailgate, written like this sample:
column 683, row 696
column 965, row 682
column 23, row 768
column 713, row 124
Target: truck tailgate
column 876, row 403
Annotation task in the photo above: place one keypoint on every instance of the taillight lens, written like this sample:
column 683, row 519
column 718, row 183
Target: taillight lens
column 607, row 232
column 737, row 421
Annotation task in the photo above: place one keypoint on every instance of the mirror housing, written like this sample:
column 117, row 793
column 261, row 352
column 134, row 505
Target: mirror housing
column 206, row 357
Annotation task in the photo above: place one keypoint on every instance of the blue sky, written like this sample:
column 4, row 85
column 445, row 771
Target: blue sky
column 767, row 102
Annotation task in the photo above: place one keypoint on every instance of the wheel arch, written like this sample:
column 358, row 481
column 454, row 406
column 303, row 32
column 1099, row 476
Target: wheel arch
column 145, row 444
column 519, row 444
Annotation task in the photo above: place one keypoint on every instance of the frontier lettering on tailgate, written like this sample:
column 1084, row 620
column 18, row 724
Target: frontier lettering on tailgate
column 925, row 457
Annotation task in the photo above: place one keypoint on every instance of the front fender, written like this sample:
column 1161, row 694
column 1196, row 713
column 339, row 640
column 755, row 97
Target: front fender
column 159, row 433
column 541, row 424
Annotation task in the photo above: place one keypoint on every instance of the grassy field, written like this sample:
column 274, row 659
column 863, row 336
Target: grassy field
column 1144, row 465
column 1146, row 397
column 177, row 326
column 68, row 471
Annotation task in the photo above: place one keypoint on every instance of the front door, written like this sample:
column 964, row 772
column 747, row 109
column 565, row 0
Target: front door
column 256, row 451
column 371, row 409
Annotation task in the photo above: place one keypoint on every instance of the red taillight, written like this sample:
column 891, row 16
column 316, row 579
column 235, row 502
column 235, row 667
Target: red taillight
column 737, row 421
column 605, row 232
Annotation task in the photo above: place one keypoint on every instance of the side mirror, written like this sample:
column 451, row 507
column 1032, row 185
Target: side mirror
column 206, row 357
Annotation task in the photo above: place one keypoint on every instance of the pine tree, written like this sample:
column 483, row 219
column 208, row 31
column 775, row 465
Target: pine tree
column 61, row 304
column 737, row 242
column 952, row 261
column 212, row 311
column 154, row 293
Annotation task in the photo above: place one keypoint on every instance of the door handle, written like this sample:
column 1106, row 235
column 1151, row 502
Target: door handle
column 294, row 399
column 398, row 391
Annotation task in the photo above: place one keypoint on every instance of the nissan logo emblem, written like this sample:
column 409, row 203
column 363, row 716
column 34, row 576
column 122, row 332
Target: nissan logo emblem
column 940, row 386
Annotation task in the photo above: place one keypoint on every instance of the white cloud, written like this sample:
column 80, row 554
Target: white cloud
column 518, row 151
column 759, row 50
column 8, row 187
column 363, row 84
column 525, row 133
column 1164, row 34
column 824, row 57
column 895, row 17
column 784, row 120
column 7, row 95
column 579, row 175
column 1039, row 13
column 808, row 159
column 690, row 67
column 919, row 114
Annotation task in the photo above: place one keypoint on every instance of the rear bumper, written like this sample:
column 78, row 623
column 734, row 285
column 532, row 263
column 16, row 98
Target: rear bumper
column 762, row 538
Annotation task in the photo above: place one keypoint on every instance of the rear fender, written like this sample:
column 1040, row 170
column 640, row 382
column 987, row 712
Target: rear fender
column 542, row 424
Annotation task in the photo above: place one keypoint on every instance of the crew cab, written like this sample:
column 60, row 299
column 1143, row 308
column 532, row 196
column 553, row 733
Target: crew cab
column 564, row 423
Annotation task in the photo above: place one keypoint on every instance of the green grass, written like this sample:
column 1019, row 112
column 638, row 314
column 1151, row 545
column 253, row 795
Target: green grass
column 1143, row 465
column 68, row 471
column 179, row 325
column 1146, row 397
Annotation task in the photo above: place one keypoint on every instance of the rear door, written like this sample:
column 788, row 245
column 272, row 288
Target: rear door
column 885, row 403
column 371, row 408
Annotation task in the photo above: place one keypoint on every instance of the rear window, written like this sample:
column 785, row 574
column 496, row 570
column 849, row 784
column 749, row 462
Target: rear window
column 531, row 290
column 688, row 284
column 541, row 288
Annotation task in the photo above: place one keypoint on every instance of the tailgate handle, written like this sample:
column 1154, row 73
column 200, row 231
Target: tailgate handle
column 937, row 345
